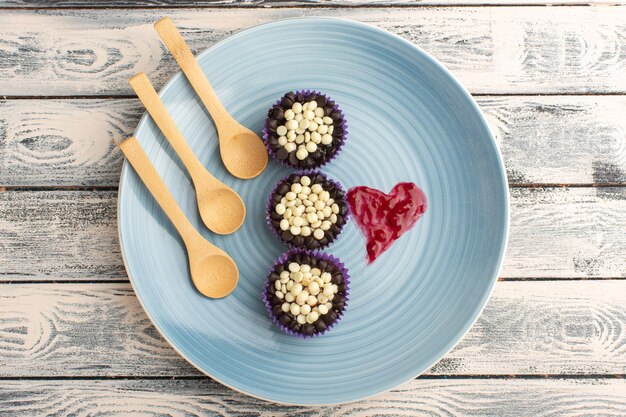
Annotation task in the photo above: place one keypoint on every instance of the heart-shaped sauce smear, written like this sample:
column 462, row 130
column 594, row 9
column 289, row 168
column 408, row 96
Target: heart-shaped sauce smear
column 383, row 218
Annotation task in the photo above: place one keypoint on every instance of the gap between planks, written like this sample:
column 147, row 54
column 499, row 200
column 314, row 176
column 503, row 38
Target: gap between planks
column 206, row 377
column 299, row 5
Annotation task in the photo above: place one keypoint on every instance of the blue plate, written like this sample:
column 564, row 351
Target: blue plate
column 409, row 120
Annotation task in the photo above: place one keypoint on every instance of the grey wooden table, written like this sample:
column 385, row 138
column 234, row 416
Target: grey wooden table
column 552, row 82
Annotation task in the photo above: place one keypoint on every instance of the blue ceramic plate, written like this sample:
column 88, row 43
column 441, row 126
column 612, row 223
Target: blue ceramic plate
column 409, row 120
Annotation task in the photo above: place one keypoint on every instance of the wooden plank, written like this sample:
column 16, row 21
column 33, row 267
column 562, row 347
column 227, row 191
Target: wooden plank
column 69, row 235
column 527, row 328
column 59, row 235
column 490, row 49
column 544, row 140
column 467, row 397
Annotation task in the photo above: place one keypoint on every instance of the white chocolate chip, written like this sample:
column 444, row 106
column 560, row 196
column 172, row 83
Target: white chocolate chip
column 311, row 147
column 331, row 129
column 311, row 300
column 305, row 231
column 318, row 234
column 328, row 291
column 285, row 307
column 319, row 112
column 302, row 153
column 290, row 147
column 296, row 187
column 302, row 297
column 328, row 120
column 316, row 137
column 294, row 309
column 297, row 107
column 294, row 267
column 298, row 117
column 282, row 141
column 313, row 126
column 284, row 224
column 317, row 188
column 289, row 114
column 289, row 297
column 312, row 105
column 312, row 317
column 309, row 115
column 305, row 181
column 281, row 130
column 290, row 125
column 296, row 289
column 295, row 230
column 301, row 318
column 333, row 218
column 327, row 139
column 322, row 309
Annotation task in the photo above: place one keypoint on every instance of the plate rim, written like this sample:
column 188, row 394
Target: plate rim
column 503, row 247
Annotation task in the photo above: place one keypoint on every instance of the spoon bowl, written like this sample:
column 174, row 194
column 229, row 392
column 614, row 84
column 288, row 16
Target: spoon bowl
column 221, row 210
column 244, row 154
column 214, row 275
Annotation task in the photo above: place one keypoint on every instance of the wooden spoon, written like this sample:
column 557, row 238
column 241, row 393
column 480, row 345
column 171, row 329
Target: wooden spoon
column 213, row 272
column 221, row 208
column 242, row 151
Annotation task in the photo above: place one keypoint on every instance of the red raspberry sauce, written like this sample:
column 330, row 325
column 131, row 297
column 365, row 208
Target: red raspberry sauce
column 383, row 218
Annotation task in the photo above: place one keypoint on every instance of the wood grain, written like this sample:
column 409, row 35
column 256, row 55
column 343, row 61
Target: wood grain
column 528, row 328
column 566, row 139
column 70, row 235
column 490, row 49
column 468, row 397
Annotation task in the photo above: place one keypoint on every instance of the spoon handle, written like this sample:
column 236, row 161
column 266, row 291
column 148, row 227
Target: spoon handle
column 151, row 100
column 143, row 167
column 187, row 62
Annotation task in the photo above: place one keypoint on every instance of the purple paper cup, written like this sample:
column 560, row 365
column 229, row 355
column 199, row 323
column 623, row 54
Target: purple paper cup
column 337, row 193
column 324, row 153
column 286, row 321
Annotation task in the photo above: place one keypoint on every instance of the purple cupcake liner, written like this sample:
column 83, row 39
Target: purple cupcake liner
column 269, row 207
column 343, row 137
column 282, row 259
